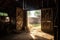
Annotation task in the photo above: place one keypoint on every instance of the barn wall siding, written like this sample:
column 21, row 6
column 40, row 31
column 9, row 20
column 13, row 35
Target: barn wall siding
column 47, row 20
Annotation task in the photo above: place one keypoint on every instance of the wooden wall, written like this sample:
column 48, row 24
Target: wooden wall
column 47, row 20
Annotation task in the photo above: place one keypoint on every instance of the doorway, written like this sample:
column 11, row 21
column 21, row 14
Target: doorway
column 40, row 23
column 34, row 20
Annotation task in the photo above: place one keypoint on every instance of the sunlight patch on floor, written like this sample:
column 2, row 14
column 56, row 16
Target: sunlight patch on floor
column 32, row 36
column 36, row 32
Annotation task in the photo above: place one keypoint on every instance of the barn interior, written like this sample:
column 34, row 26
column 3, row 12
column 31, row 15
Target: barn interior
column 28, row 19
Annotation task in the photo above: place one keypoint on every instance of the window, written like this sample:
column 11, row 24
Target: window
column 4, row 17
column 3, row 14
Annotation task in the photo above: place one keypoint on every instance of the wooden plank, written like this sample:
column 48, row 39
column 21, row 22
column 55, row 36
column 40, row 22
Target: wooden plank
column 47, row 20
column 19, row 19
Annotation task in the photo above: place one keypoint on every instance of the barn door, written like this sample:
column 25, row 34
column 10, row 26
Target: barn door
column 47, row 20
column 19, row 19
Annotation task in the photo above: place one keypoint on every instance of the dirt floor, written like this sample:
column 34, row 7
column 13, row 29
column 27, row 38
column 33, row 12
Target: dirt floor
column 35, row 34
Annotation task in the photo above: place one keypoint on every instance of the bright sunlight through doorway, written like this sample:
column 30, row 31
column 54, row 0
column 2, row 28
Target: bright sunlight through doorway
column 34, row 25
column 34, row 20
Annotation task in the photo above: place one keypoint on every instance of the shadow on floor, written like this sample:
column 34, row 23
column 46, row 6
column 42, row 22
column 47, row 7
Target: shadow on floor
column 21, row 36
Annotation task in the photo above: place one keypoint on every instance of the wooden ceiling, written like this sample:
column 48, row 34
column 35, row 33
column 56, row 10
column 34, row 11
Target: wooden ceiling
column 28, row 4
column 10, row 5
column 6, row 3
column 37, row 4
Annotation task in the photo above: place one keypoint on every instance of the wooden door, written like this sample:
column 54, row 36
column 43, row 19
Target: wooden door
column 19, row 19
column 47, row 20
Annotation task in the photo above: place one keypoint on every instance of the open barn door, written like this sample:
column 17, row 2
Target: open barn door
column 47, row 20
column 19, row 19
